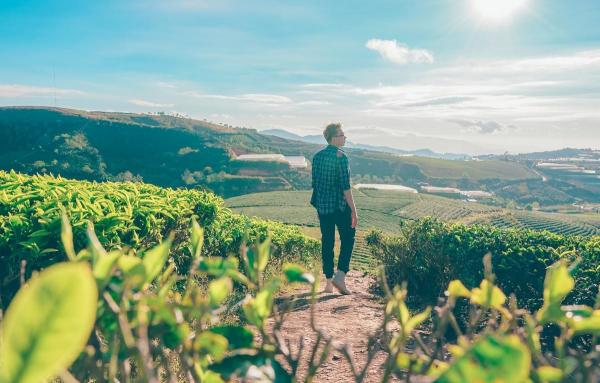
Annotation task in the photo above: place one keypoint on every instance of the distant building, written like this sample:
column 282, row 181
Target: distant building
column 557, row 166
column 476, row 193
column 297, row 162
column 455, row 191
column 260, row 157
column 400, row 188
column 441, row 190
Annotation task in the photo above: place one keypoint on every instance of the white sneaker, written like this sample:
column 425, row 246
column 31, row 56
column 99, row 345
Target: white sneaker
column 339, row 282
column 328, row 287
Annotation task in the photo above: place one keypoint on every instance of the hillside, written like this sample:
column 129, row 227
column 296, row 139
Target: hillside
column 318, row 139
column 173, row 151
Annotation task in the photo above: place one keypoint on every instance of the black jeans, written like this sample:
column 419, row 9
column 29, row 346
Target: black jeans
column 343, row 220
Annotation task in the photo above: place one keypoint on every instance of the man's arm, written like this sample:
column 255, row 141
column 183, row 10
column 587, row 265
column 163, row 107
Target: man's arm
column 345, row 178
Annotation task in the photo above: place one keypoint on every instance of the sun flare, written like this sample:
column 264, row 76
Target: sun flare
column 496, row 11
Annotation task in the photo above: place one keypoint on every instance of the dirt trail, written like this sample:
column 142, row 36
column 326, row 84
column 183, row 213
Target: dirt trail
column 349, row 319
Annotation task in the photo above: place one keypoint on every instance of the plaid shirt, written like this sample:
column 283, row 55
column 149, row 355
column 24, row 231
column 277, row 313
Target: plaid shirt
column 330, row 177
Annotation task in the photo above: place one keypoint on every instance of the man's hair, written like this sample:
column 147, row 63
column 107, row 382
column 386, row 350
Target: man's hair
column 331, row 130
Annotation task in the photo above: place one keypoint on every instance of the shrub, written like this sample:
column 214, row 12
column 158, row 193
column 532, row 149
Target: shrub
column 428, row 254
column 124, row 214
column 122, row 321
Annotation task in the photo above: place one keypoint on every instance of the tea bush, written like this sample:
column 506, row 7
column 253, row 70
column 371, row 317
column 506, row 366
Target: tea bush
column 124, row 214
column 108, row 316
column 428, row 254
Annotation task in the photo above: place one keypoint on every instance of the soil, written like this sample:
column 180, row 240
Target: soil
column 348, row 319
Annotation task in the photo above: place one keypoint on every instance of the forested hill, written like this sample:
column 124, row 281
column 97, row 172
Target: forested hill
column 175, row 151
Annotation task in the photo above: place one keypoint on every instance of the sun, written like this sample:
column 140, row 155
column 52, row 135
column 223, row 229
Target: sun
column 497, row 11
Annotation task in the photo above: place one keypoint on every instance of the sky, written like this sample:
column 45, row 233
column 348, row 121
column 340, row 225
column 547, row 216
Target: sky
column 468, row 76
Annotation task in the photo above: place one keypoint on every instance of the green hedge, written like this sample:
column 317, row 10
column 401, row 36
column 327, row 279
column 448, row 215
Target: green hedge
column 428, row 254
column 124, row 214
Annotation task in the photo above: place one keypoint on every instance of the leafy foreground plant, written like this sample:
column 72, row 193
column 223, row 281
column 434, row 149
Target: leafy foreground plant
column 144, row 330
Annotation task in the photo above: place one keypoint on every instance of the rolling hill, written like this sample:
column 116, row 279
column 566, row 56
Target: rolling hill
column 182, row 152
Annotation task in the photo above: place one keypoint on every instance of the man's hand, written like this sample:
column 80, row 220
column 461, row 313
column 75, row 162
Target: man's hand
column 354, row 219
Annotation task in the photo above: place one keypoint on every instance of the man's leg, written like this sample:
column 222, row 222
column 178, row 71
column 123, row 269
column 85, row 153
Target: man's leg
column 347, row 234
column 343, row 223
column 327, row 224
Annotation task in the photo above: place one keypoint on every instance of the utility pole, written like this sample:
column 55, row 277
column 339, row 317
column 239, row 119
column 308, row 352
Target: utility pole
column 54, row 83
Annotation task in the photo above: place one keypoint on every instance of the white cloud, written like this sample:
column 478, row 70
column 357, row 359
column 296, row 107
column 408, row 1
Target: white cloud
column 399, row 53
column 222, row 116
column 15, row 90
column 531, row 72
column 181, row 5
column 148, row 104
column 259, row 98
column 482, row 127
column 166, row 85
column 266, row 98
column 313, row 103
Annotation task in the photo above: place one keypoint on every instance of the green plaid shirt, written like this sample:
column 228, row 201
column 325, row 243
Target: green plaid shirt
column 330, row 177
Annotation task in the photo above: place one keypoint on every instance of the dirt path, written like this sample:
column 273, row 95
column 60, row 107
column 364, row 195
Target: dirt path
column 349, row 319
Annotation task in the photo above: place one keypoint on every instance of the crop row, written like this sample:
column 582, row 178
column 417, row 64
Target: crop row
column 540, row 222
column 428, row 253
column 123, row 214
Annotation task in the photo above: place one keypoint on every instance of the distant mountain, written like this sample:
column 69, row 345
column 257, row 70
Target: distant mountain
column 175, row 151
column 550, row 155
column 318, row 139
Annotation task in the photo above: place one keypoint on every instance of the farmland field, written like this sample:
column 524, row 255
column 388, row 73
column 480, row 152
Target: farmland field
column 384, row 210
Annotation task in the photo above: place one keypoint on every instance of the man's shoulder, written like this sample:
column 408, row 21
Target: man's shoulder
column 340, row 153
column 322, row 152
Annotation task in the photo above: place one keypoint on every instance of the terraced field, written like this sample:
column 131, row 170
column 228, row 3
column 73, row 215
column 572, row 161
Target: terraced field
column 562, row 224
column 443, row 208
column 361, row 255
column 383, row 210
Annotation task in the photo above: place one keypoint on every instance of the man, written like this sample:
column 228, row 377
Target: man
column 332, row 197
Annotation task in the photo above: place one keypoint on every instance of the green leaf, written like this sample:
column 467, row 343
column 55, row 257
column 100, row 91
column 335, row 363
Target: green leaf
column 238, row 336
column 259, row 308
column 457, row 289
column 295, row 273
column 488, row 295
column 48, row 323
column 104, row 267
column 156, row 258
column 589, row 325
column 240, row 364
column 218, row 266
column 197, row 238
column 219, row 290
column 211, row 377
column 557, row 285
column 66, row 236
column 491, row 359
column 94, row 246
column 133, row 268
column 208, row 343
column 549, row 374
column 417, row 319
column 263, row 252
column 575, row 311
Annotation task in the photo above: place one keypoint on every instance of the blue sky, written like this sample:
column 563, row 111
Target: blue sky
column 443, row 74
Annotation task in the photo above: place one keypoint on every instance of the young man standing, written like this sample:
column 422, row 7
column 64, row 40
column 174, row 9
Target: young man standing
column 332, row 197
